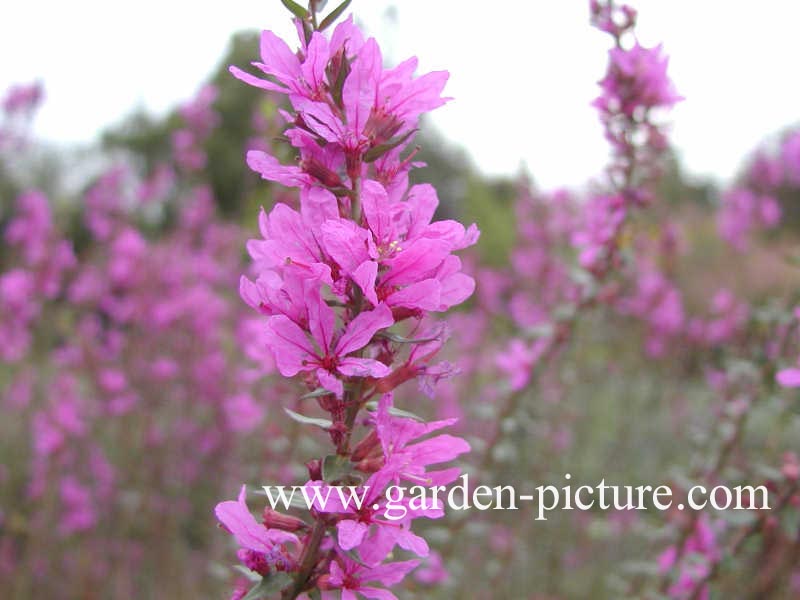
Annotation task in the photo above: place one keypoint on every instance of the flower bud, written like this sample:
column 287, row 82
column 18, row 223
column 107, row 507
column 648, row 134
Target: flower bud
column 314, row 469
column 272, row 519
column 366, row 446
column 316, row 169
column 370, row 465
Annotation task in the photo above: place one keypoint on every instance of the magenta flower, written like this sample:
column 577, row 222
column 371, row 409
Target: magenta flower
column 266, row 544
column 699, row 554
column 637, row 80
column 789, row 377
column 295, row 352
column 289, row 238
column 350, row 577
column 603, row 217
column 374, row 528
column 401, row 258
column 371, row 107
column 519, row 361
column 408, row 461
column 744, row 211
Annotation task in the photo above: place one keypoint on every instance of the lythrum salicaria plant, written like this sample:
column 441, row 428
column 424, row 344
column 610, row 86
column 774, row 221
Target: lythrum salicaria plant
column 346, row 281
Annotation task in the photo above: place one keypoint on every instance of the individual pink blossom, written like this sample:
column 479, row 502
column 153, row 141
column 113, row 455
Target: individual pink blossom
column 519, row 360
column 259, row 542
column 351, row 578
column 407, row 461
column 294, row 351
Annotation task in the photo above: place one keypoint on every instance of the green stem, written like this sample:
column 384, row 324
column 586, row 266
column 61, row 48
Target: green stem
column 308, row 560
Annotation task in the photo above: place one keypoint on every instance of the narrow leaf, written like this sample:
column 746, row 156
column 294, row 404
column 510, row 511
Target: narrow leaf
column 335, row 467
column 269, row 586
column 372, row 406
column 404, row 340
column 338, row 80
column 353, row 555
column 335, row 14
column 315, row 394
column 251, row 576
column 322, row 423
column 294, row 8
column 375, row 153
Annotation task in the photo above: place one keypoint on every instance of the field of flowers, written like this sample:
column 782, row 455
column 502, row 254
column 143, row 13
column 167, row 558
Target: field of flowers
column 167, row 348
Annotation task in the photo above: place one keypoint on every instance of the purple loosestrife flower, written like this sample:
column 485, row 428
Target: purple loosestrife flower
column 637, row 81
column 744, row 211
column 700, row 552
column 401, row 257
column 350, row 578
column 519, row 360
column 603, row 218
column 369, row 527
column 267, row 547
column 367, row 109
column 635, row 87
column 407, row 461
column 295, row 352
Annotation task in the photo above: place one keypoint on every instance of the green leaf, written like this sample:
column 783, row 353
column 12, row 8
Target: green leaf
column 338, row 81
column 372, row 405
column 335, row 467
column 738, row 518
column 269, row 586
column 322, row 423
column 297, row 10
column 641, row 567
column 403, row 340
column 334, row 14
column 353, row 555
column 315, row 394
column 375, row 153
column 252, row 576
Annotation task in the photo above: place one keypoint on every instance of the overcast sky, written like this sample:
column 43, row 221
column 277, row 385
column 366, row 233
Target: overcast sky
column 522, row 71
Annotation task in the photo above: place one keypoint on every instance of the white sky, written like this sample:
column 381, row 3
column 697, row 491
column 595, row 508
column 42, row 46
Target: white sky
column 522, row 71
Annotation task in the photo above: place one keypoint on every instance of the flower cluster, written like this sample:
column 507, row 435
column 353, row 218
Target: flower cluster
column 44, row 258
column 199, row 119
column 763, row 193
column 695, row 557
column 743, row 211
column 115, row 343
column 636, row 86
column 340, row 279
